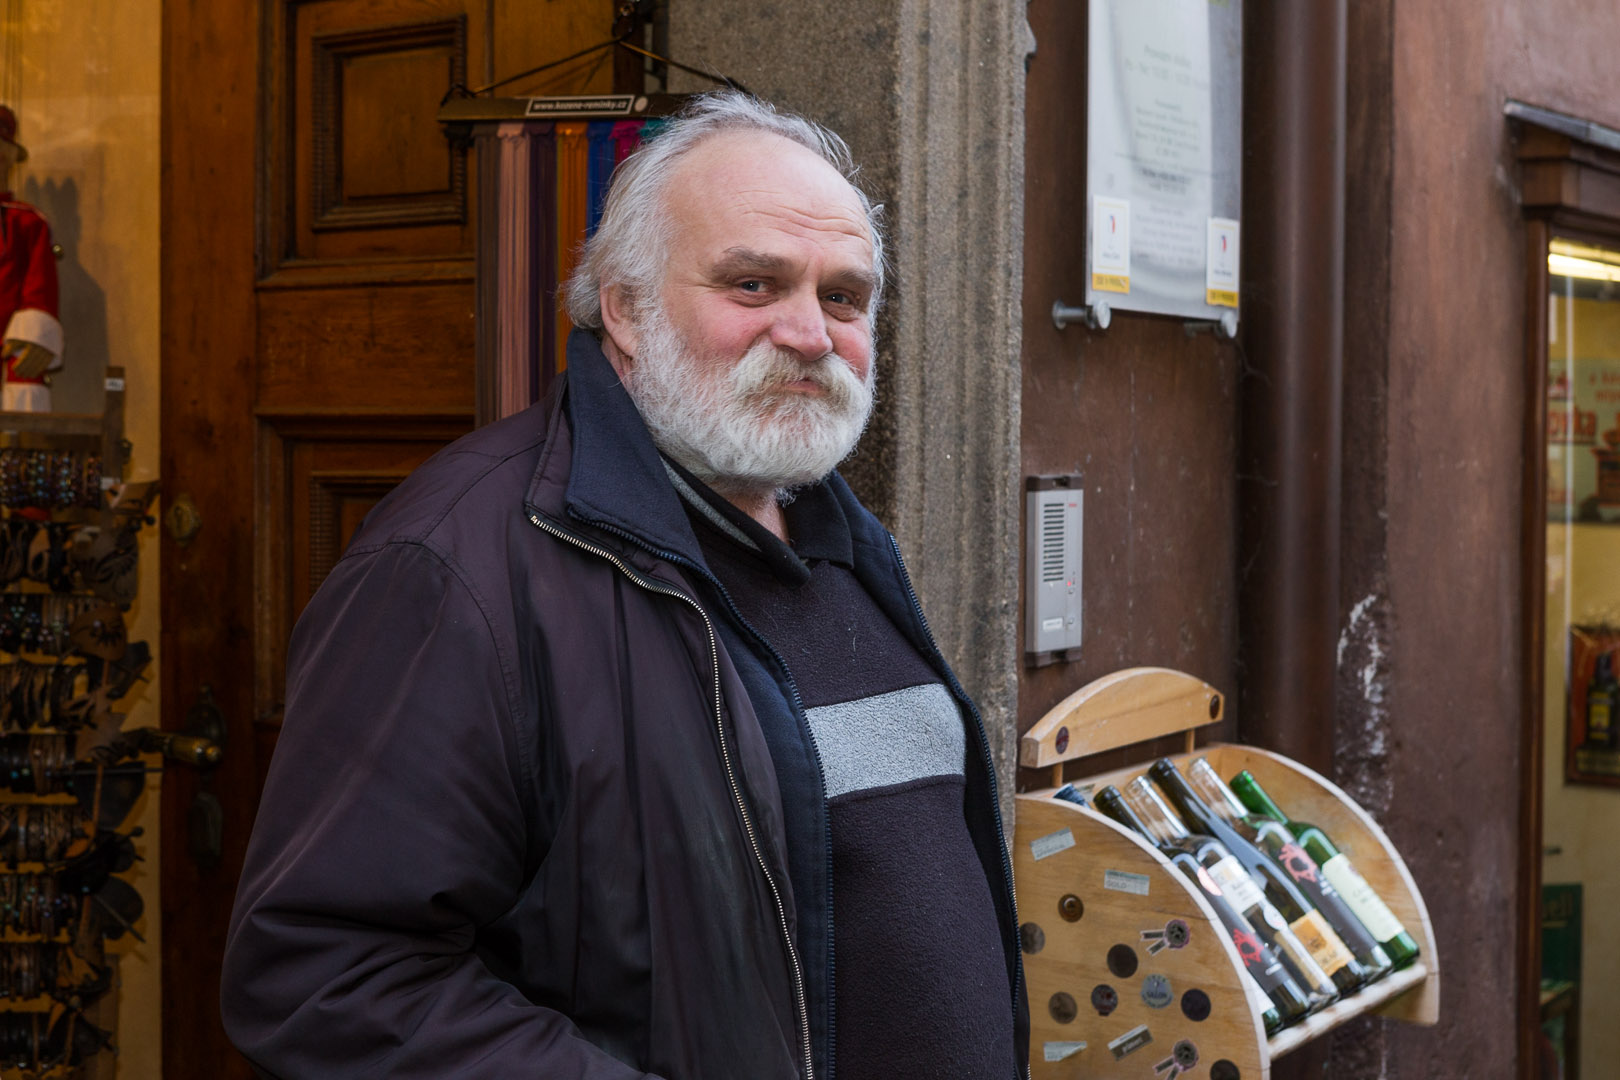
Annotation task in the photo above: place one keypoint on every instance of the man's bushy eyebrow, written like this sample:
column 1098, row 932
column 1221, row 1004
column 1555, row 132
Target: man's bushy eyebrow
column 741, row 260
column 862, row 280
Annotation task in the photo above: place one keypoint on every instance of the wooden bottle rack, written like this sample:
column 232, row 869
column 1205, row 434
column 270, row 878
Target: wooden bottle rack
column 1116, row 988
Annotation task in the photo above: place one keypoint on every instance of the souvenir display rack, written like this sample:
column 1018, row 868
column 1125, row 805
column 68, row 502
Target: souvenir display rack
column 69, row 775
column 1129, row 971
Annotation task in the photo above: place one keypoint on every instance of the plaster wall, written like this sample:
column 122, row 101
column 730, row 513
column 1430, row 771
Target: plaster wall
column 83, row 76
column 1429, row 719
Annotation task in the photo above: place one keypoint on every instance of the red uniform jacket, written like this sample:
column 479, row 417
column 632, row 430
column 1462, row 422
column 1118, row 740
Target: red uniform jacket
column 28, row 279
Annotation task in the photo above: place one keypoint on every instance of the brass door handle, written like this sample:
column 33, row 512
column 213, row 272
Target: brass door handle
column 202, row 742
column 183, row 519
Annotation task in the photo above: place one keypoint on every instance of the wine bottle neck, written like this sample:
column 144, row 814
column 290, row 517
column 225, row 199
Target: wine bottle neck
column 1109, row 801
column 1159, row 820
column 1213, row 790
column 1254, row 797
column 1199, row 817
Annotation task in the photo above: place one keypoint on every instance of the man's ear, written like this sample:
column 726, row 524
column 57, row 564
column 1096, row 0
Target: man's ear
column 620, row 339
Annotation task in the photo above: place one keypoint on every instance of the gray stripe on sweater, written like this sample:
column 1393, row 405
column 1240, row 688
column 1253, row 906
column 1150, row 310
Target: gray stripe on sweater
column 889, row 738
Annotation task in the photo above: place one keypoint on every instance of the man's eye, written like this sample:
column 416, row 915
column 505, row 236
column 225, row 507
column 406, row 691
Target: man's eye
column 751, row 286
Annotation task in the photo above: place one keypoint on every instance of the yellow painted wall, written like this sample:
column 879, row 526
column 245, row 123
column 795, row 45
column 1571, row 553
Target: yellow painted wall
column 84, row 76
column 1583, row 587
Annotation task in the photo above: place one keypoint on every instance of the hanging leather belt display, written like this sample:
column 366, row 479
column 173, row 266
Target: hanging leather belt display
column 544, row 164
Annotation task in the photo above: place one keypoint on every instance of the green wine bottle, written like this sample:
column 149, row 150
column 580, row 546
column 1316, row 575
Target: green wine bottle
column 1336, row 866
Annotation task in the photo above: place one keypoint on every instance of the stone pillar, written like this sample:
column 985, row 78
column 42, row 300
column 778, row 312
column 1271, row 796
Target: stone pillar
column 930, row 96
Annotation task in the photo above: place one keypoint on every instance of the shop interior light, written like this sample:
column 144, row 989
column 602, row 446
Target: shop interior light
column 1567, row 259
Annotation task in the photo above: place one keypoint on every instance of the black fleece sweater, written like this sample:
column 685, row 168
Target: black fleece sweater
column 920, row 985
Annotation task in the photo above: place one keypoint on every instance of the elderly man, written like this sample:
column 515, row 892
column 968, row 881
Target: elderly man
column 616, row 743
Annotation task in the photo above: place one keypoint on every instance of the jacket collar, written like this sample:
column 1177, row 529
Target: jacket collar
column 815, row 520
column 604, row 470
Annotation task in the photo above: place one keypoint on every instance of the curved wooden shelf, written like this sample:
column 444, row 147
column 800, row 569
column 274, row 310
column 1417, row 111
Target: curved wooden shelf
column 1069, row 859
column 1062, row 850
column 1116, row 710
column 1070, row 1034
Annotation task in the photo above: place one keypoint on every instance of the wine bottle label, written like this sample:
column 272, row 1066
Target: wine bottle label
column 1300, row 866
column 1256, row 957
column 1249, row 947
column 1374, row 914
column 1236, row 884
column 1289, row 944
column 1320, row 941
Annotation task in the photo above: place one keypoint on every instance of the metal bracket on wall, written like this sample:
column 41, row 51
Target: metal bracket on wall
column 1097, row 316
column 1224, row 328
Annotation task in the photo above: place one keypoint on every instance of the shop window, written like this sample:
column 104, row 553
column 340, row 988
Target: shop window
column 1569, row 960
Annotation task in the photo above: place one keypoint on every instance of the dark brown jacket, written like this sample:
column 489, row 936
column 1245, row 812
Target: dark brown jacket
column 524, row 819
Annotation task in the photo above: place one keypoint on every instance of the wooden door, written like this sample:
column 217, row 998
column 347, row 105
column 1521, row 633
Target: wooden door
column 317, row 307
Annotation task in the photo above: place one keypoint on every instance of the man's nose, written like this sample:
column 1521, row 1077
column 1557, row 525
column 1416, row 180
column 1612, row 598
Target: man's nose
column 801, row 325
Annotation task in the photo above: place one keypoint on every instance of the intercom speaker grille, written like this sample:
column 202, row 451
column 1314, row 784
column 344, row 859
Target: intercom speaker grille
column 1052, row 557
column 1053, row 536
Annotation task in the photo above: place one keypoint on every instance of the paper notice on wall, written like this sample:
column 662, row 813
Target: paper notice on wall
column 1156, row 136
column 1164, row 138
column 1221, row 263
column 1110, row 245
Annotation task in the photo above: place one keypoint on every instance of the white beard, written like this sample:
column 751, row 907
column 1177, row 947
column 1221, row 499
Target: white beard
column 738, row 429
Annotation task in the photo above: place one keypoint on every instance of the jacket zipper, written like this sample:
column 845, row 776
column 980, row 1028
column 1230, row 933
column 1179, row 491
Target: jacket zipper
column 725, row 755
column 796, row 703
column 989, row 764
column 799, row 713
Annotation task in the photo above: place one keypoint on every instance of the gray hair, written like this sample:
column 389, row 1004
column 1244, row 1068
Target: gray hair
column 631, row 240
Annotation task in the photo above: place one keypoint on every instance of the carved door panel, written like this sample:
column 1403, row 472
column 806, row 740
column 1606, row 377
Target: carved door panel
column 317, row 292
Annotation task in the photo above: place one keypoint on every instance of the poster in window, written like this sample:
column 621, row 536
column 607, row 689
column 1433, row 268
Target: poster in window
column 1592, row 734
column 1583, row 405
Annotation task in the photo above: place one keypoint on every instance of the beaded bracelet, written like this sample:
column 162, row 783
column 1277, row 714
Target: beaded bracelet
column 49, row 479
